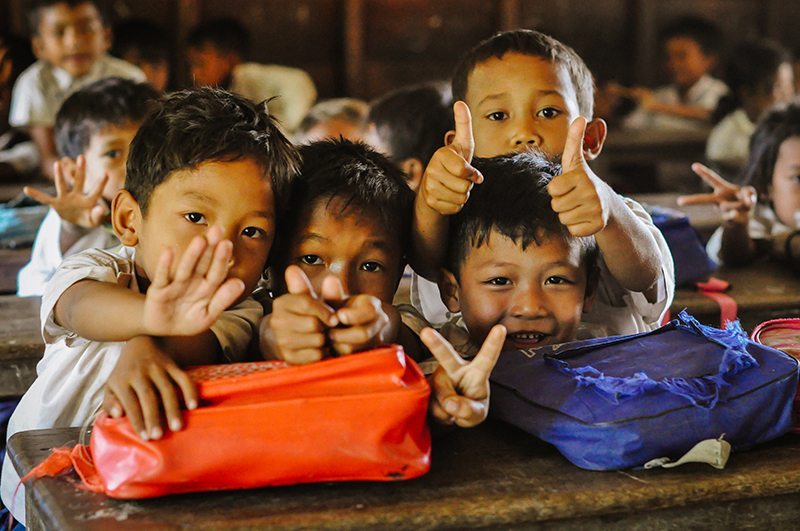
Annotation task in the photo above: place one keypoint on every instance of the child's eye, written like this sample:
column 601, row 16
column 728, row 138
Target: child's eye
column 557, row 280
column 311, row 259
column 499, row 281
column 194, row 217
column 372, row 267
column 254, row 232
column 497, row 116
column 112, row 153
column 548, row 112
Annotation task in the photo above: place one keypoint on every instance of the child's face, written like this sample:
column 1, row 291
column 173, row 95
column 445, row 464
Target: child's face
column 71, row 38
column 107, row 154
column 785, row 189
column 537, row 293
column 156, row 72
column 234, row 195
column 208, row 66
column 518, row 102
column 351, row 245
column 685, row 61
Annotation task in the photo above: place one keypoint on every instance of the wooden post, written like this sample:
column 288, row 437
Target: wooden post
column 354, row 47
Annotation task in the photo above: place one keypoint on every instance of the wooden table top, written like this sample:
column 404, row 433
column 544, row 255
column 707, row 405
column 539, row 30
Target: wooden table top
column 490, row 476
column 704, row 218
column 21, row 343
column 11, row 261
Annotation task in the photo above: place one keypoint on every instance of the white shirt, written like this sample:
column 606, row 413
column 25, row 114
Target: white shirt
column 729, row 141
column 705, row 93
column 763, row 225
column 68, row 389
column 292, row 88
column 615, row 310
column 46, row 254
column 42, row 88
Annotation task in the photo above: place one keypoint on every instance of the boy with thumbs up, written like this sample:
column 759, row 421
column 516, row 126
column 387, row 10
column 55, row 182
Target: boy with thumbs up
column 523, row 90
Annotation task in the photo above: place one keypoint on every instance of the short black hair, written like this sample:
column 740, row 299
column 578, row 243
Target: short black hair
column 228, row 35
column 700, row 30
column 513, row 201
column 359, row 176
column 34, row 11
column 110, row 101
column 752, row 66
column 143, row 37
column 536, row 44
column 205, row 124
column 778, row 124
column 412, row 121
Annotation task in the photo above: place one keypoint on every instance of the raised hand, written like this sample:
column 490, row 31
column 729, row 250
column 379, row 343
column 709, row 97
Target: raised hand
column 579, row 197
column 460, row 389
column 364, row 324
column 189, row 298
column 70, row 202
column 296, row 330
column 735, row 202
column 449, row 176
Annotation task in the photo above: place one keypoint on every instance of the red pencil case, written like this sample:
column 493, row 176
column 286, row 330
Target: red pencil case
column 359, row 417
column 784, row 335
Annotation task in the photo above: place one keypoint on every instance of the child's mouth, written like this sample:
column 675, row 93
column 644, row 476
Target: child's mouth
column 528, row 339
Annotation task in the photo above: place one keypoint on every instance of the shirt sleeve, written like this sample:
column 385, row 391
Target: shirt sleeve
column 236, row 327
column 28, row 103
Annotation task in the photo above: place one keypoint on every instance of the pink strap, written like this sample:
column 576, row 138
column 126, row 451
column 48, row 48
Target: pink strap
column 727, row 305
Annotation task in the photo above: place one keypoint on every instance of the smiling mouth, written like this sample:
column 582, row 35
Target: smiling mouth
column 527, row 339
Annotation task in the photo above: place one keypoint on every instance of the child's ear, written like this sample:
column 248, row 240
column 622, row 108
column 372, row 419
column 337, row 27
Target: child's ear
column 413, row 168
column 126, row 217
column 449, row 137
column 594, row 138
column 36, row 46
column 448, row 291
column 108, row 38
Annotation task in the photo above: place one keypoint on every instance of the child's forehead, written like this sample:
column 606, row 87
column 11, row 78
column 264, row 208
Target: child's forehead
column 63, row 13
column 352, row 220
column 547, row 247
column 516, row 72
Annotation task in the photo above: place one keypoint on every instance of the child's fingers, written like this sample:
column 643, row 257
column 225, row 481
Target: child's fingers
column 698, row 199
column 332, row 291
column 151, row 412
column 295, row 341
column 225, row 296
column 454, row 171
column 304, row 306
column 297, row 282
column 439, row 414
column 38, row 195
column 572, row 158
column 110, row 404
column 186, row 385
column 58, row 177
column 748, row 196
column 561, row 185
column 464, row 141
column 220, row 263
column 489, row 353
column 130, row 405
column 303, row 356
column 443, row 351
column 361, row 309
column 169, row 399
column 711, row 177
column 191, row 256
column 350, row 338
column 162, row 273
column 96, row 215
column 95, row 194
column 76, row 173
column 466, row 412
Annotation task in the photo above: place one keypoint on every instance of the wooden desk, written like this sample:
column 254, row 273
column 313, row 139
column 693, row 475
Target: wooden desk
column 491, row 476
column 704, row 218
column 21, row 343
column 764, row 290
column 11, row 261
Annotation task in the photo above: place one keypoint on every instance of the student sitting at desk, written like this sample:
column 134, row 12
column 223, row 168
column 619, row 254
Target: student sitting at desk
column 760, row 216
column 207, row 172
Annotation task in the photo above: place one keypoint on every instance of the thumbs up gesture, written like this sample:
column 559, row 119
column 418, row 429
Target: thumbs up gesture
column 579, row 197
column 449, row 176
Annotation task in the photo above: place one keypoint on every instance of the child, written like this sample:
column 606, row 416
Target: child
column 93, row 130
column 217, row 50
column 206, row 173
column 759, row 75
column 334, row 118
column 142, row 43
column 70, row 39
column 409, row 124
column 690, row 45
column 527, row 90
column 760, row 216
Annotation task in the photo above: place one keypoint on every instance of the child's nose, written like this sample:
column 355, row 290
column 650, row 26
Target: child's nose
column 527, row 304
column 525, row 135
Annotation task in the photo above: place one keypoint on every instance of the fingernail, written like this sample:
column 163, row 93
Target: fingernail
column 333, row 321
column 144, row 436
column 115, row 412
column 156, row 433
column 451, row 407
column 175, row 425
column 191, row 404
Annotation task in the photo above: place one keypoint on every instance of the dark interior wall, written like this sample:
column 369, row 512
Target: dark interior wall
column 365, row 47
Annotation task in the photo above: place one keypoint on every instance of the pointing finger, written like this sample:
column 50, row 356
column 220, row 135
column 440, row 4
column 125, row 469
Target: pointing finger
column 487, row 356
column 464, row 142
column 297, row 282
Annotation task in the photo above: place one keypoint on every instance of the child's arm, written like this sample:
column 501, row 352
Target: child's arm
column 444, row 190
column 646, row 99
column 43, row 138
column 185, row 302
column 588, row 206
column 735, row 203
column 460, row 389
column 144, row 381
column 78, row 211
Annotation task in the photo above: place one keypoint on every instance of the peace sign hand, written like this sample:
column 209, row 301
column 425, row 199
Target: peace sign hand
column 735, row 202
column 460, row 389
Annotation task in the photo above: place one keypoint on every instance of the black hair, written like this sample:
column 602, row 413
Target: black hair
column 513, row 201
column 350, row 110
column 536, row 44
column 752, row 67
column 205, row 124
column 700, row 30
column 109, row 101
column 143, row 37
column 357, row 175
column 34, row 11
column 226, row 34
column 412, row 121
column 19, row 53
column 773, row 128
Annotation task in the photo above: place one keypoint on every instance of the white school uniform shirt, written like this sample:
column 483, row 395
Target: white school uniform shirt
column 292, row 88
column 729, row 141
column 615, row 310
column 763, row 225
column 46, row 253
column 68, row 388
column 42, row 88
column 705, row 93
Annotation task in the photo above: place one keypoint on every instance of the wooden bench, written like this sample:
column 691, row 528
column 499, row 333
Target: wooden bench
column 704, row 218
column 493, row 476
column 21, row 343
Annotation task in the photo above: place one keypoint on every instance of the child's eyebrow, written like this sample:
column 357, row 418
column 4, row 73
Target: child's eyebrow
column 501, row 95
